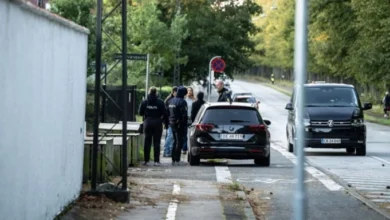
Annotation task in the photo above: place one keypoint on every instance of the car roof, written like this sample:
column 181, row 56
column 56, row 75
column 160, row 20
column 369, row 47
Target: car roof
column 244, row 96
column 227, row 104
column 341, row 85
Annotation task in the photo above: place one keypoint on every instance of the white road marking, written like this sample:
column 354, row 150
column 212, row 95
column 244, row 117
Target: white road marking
column 381, row 160
column 172, row 208
column 320, row 176
column 223, row 174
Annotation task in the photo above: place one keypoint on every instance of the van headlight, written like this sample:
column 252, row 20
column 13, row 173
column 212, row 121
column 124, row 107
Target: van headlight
column 357, row 122
column 306, row 122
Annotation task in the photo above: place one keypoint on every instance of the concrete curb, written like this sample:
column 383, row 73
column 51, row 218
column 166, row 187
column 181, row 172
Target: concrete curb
column 250, row 214
column 352, row 191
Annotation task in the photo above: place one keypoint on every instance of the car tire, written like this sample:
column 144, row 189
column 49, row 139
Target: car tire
column 350, row 150
column 361, row 151
column 290, row 147
column 193, row 160
column 264, row 162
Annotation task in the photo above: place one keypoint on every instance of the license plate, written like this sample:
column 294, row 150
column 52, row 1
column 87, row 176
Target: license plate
column 231, row 136
column 330, row 141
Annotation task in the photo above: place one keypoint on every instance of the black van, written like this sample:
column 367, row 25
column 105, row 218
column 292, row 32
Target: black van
column 333, row 118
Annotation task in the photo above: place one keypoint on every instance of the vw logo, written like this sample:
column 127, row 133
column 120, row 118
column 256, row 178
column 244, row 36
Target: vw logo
column 231, row 128
column 330, row 123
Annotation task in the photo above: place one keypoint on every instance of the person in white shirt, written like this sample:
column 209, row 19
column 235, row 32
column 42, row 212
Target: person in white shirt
column 190, row 98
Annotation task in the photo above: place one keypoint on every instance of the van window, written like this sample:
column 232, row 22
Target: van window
column 331, row 96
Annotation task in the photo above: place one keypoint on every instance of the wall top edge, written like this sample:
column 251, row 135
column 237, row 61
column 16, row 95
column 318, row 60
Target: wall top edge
column 51, row 16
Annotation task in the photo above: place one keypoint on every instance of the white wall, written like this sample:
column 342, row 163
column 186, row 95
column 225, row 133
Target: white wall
column 43, row 63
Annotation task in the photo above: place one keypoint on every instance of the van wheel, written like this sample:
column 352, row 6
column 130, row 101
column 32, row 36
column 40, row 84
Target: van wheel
column 290, row 147
column 361, row 151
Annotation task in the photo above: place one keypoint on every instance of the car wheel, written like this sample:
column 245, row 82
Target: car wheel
column 289, row 145
column 264, row 162
column 193, row 160
column 350, row 150
column 361, row 151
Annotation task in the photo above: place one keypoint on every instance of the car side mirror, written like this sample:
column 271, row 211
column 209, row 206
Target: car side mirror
column 258, row 102
column 267, row 122
column 289, row 106
column 367, row 106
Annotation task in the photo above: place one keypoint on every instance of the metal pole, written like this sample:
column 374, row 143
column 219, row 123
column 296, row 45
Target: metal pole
column 300, row 64
column 104, row 95
column 124, row 95
column 208, row 99
column 147, row 76
column 98, row 69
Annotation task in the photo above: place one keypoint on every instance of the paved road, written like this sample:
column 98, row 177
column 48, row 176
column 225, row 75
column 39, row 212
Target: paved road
column 370, row 175
column 272, row 189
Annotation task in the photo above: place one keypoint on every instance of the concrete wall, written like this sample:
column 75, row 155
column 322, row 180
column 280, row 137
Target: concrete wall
column 43, row 64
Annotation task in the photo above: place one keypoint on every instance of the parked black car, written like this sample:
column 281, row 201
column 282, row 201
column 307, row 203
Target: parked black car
column 333, row 118
column 231, row 131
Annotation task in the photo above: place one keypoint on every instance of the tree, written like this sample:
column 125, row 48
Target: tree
column 370, row 53
column 79, row 12
column 214, row 31
column 146, row 34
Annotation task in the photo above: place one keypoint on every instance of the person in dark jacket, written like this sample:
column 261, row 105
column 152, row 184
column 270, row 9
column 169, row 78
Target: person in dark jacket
column 171, row 96
column 178, row 119
column 155, row 114
column 224, row 94
column 386, row 104
column 196, row 105
column 169, row 138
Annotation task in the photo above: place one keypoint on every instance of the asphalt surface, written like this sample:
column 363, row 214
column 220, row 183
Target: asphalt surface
column 329, row 172
column 369, row 175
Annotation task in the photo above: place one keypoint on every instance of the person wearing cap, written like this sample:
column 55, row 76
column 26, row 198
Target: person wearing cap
column 155, row 115
column 169, row 138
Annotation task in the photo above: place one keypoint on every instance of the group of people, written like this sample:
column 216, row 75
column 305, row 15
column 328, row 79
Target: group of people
column 176, row 113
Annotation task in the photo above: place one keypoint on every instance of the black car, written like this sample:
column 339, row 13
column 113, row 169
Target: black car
column 241, row 94
column 231, row 131
column 247, row 99
column 333, row 118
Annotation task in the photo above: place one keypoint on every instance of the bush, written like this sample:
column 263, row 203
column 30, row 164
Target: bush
column 163, row 94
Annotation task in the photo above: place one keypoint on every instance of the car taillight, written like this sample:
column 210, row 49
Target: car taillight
column 257, row 128
column 204, row 127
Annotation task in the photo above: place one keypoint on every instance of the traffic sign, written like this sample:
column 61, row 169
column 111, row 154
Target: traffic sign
column 218, row 65
column 131, row 56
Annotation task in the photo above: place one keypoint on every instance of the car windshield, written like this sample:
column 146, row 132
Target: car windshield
column 330, row 96
column 231, row 115
column 245, row 99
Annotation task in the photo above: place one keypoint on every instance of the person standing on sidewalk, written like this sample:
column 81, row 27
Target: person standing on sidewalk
column 169, row 138
column 190, row 98
column 197, row 105
column 224, row 94
column 155, row 114
column 178, row 119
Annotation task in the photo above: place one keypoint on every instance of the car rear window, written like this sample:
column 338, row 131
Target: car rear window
column 231, row 115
